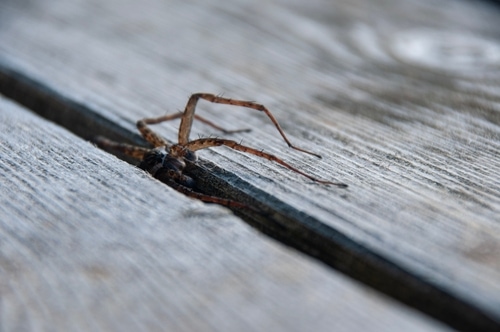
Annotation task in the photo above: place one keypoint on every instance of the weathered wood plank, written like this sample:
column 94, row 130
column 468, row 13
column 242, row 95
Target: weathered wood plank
column 89, row 243
column 401, row 98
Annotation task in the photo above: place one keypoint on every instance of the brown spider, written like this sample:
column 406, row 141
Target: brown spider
column 166, row 161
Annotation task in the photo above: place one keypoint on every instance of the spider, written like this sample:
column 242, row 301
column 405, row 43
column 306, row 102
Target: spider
column 166, row 160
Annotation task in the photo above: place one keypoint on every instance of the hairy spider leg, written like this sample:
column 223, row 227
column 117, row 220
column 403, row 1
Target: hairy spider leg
column 202, row 197
column 204, row 143
column 145, row 130
column 150, row 136
column 126, row 149
column 225, row 131
column 187, row 117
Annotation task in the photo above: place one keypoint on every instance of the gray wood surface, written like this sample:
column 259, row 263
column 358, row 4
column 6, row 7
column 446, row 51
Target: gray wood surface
column 89, row 243
column 400, row 98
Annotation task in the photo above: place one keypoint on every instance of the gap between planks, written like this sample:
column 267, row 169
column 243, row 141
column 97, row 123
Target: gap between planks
column 279, row 220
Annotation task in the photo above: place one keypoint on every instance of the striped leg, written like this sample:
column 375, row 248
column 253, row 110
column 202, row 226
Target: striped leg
column 187, row 118
column 204, row 143
column 126, row 149
column 156, row 140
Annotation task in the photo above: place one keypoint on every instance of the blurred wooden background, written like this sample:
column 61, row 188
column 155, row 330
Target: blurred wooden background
column 401, row 98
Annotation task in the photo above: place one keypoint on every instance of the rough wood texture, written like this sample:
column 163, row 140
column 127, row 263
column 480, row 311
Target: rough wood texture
column 400, row 97
column 83, row 247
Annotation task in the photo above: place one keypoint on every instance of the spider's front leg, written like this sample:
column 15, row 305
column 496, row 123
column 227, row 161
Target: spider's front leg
column 187, row 118
column 133, row 151
column 204, row 143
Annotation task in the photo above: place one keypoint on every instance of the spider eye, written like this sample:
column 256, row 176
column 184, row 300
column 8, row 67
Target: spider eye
column 190, row 155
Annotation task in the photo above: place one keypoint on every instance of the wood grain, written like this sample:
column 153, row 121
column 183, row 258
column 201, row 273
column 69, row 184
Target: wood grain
column 400, row 98
column 90, row 243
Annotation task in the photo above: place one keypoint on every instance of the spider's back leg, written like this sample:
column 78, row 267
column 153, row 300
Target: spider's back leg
column 157, row 140
column 188, row 191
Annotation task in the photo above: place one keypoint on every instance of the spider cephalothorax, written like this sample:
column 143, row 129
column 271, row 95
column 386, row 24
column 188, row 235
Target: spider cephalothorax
column 167, row 161
column 161, row 164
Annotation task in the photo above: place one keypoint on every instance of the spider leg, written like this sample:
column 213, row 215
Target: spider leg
column 156, row 140
column 187, row 118
column 204, row 143
column 133, row 151
column 225, row 131
column 202, row 197
column 149, row 135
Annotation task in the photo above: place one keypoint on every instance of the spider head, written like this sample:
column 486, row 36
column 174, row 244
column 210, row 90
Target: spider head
column 166, row 166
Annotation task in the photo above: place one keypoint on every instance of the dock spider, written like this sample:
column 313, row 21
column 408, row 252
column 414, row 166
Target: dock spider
column 166, row 160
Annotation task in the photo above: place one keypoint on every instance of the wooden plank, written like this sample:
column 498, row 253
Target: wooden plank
column 90, row 243
column 400, row 100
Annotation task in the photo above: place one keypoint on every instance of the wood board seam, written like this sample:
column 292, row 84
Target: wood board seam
column 281, row 221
